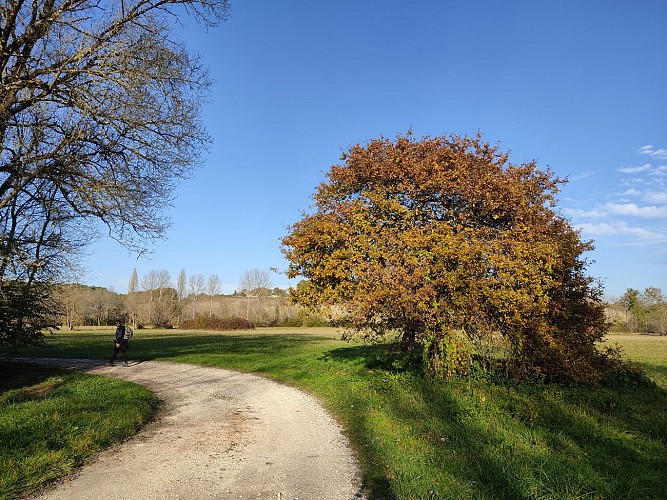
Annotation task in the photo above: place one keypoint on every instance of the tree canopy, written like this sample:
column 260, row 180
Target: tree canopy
column 448, row 243
column 99, row 115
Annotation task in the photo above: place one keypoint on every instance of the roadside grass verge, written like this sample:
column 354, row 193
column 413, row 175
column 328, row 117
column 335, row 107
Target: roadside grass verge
column 52, row 421
column 476, row 438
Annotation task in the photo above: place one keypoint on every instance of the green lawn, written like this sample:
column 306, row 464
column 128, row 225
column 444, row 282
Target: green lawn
column 52, row 421
column 470, row 438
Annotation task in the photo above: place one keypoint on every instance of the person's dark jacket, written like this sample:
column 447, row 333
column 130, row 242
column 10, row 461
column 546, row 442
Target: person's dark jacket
column 120, row 341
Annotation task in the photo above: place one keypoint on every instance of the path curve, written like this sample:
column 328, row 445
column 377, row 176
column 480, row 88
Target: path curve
column 221, row 435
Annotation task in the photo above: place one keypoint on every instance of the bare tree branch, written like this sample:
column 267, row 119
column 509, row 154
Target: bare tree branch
column 100, row 108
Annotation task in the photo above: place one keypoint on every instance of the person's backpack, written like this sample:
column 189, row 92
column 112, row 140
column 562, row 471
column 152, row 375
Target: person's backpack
column 128, row 333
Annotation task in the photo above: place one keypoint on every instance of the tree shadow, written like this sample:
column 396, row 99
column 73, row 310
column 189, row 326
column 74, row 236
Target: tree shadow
column 16, row 375
column 433, row 415
column 513, row 441
column 169, row 346
column 153, row 348
column 378, row 357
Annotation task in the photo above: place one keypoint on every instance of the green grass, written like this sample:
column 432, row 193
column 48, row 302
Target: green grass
column 649, row 351
column 52, row 421
column 418, row 439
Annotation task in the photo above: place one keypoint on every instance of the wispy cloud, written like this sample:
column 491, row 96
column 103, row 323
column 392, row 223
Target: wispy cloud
column 656, row 197
column 661, row 170
column 582, row 176
column 651, row 151
column 651, row 212
column 587, row 214
column 655, row 194
column 636, row 170
column 621, row 209
column 632, row 214
column 634, row 181
column 619, row 228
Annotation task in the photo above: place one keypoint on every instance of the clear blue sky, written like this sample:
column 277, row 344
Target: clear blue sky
column 579, row 86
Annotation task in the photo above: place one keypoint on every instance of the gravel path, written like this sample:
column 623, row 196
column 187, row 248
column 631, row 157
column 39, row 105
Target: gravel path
column 222, row 434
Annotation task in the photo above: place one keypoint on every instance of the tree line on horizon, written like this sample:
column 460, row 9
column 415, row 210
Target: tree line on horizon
column 637, row 311
column 156, row 301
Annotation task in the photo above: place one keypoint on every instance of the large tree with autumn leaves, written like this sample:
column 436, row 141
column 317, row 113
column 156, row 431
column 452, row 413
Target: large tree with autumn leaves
column 446, row 243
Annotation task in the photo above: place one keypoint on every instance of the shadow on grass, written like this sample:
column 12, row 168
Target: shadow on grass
column 16, row 375
column 490, row 440
column 433, row 415
column 170, row 346
column 657, row 372
column 231, row 344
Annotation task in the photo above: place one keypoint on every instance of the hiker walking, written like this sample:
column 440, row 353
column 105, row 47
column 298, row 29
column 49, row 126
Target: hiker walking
column 121, row 341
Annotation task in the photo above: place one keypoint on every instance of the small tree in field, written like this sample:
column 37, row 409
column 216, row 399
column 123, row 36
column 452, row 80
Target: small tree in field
column 446, row 242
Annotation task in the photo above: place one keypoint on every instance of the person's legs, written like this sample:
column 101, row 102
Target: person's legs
column 113, row 356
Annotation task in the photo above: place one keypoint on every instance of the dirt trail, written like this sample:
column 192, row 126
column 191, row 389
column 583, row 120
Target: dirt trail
column 222, row 435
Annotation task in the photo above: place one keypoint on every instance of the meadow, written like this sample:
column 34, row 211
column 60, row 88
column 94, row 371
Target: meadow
column 479, row 437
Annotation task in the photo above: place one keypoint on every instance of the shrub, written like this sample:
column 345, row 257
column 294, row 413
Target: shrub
column 305, row 320
column 448, row 355
column 26, row 311
column 217, row 324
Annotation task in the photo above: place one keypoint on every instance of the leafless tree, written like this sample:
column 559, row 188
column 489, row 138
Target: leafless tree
column 165, row 298
column 71, row 298
column 133, row 283
column 181, row 288
column 255, row 284
column 160, row 294
column 38, row 240
column 181, row 285
column 132, row 302
column 212, row 287
column 99, row 119
column 254, row 279
column 196, row 287
column 101, row 306
column 163, row 280
column 149, row 283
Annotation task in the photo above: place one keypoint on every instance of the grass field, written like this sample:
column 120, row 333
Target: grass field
column 474, row 438
column 647, row 350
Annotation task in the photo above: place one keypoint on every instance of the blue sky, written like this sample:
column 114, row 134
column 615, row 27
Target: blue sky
column 577, row 85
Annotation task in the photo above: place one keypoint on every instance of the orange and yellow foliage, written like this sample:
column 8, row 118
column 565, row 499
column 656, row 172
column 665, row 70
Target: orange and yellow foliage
column 444, row 235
